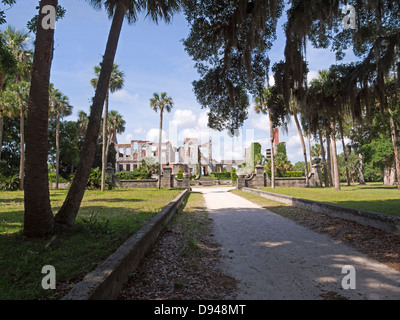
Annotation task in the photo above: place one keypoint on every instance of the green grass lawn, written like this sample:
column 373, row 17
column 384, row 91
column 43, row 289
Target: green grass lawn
column 104, row 222
column 371, row 197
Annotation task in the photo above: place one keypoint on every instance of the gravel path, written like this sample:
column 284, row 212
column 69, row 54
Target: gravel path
column 274, row 258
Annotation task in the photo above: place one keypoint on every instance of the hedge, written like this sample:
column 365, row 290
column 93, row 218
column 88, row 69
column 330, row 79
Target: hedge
column 294, row 174
column 221, row 175
column 133, row 175
column 288, row 174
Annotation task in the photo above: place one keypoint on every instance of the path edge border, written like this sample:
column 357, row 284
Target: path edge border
column 108, row 279
column 381, row 221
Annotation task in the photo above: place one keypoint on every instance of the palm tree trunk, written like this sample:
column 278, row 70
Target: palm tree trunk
column 361, row 168
column 57, row 149
column 272, row 133
column 326, row 179
column 1, row 130
column 159, row 149
column 394, row 142
column 303, row 145
column 38, row 218
column 309, row 148
column 329, row 156
column 3, row 77
column 71, row 205
column 104, row 149
column 346, row 157
column 335, row 160
column 107, row 148
column 22, row 152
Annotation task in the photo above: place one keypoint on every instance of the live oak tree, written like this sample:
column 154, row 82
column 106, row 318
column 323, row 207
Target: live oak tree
column 229, row 41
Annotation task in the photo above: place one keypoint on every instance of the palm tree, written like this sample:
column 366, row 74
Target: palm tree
column 117, row 9
column 16, row 101
column 294, row 110
column 38, row 217
column 59, row 108
column 319, row 97
column 116, row 83
column 16, row 41
column 83, row 120
column 160, row 103
column 116, row 125
column 15, row 60
column 262, row 107
column 8, row 63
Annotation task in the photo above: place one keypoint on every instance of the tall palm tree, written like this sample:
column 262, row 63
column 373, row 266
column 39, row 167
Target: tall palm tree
column 15, row 60
column 83, row 121
column 16, row 101
column 4, row 106
column 116, row 125
column 319, row 96
column 17, row 42
column 8, row 63
column 38, row 217
column 294, row 109
column 59, row 108
column 160, row 102
column 118, row 10
column 116, row 83
column 262, row 107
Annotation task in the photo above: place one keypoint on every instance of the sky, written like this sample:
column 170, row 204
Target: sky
column 153, row 59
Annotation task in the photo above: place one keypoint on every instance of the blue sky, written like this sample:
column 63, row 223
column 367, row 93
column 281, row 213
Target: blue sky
column 153, row 60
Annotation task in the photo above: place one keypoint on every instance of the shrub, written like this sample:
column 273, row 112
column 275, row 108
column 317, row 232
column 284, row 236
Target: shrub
column 10, row 183
column 94, row 181
column 179, row 174
column 221, row 175
column 288, row 174
column 134, row 175
column 233, row 176
column 52, row 178
column 294, row 174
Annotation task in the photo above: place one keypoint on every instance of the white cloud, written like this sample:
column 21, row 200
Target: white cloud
column 124, row 96
column 139, row 130
column 203, row 120
column 271, row 80
column 260, row 122
column 128, row 138
column 185, row 118
column 312, row 75
column 294, row 141
column 153, row 134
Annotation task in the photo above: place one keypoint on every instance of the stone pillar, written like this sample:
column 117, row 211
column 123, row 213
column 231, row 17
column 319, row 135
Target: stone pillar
column 316, row 179
column 260, row 176
column 186, row 180
column 166, row 178
column 241, row 181
column 110, row 169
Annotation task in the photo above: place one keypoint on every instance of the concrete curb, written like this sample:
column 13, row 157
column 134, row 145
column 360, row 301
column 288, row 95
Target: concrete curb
column 107, row 280
column 385, row 222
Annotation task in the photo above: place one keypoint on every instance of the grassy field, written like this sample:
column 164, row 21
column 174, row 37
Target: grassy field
column 371, row 197
column 104, row 222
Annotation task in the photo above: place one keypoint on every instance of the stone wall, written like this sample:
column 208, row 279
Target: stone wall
column 61, row 185
column 148, row 183
column 380, row 221
column 168, row 180
column 260, row 179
